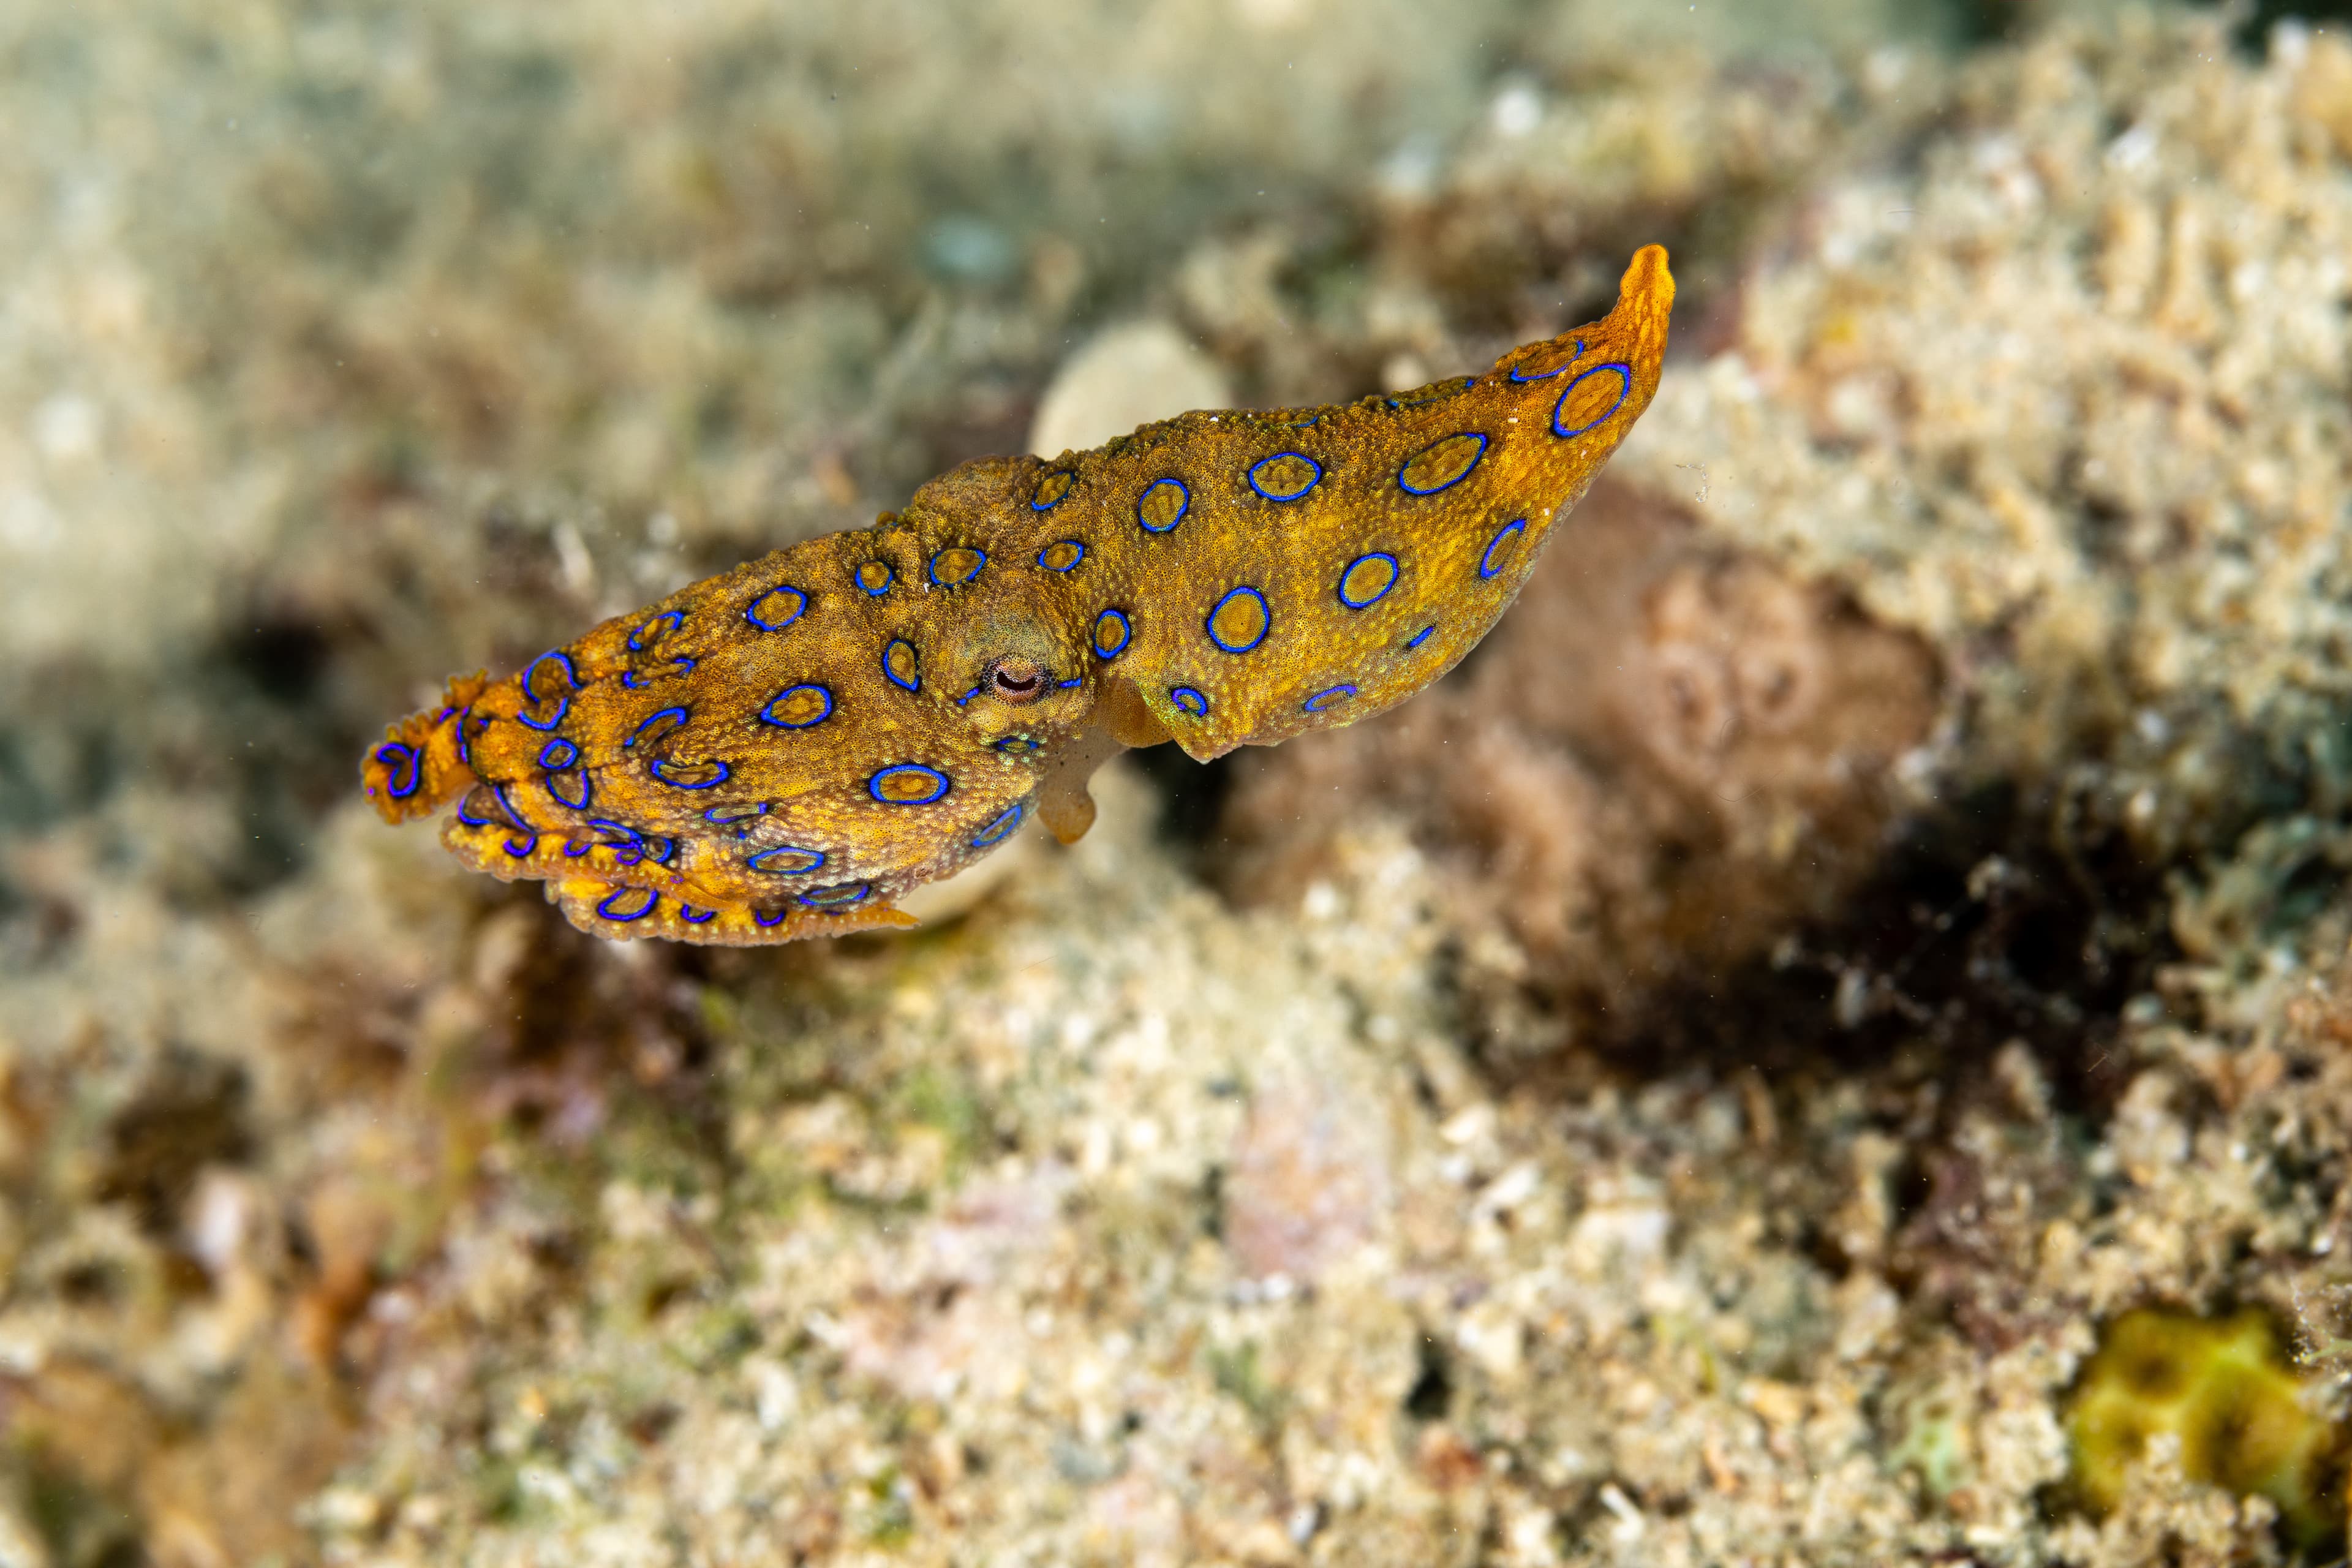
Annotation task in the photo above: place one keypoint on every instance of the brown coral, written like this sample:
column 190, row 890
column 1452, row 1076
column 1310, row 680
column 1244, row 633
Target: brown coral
column 1667, row 753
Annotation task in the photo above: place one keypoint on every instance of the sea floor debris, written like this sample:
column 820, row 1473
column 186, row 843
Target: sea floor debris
column 1296, row 1180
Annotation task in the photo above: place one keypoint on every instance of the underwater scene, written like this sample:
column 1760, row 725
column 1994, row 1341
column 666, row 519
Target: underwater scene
column 1235, row 781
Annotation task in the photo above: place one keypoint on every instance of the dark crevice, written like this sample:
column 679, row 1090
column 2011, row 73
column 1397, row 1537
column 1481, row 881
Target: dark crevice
column 1987, row 24
column 281, row 660
column 1432, row 1395
column 1191, row 797
column 1974, row 931
column 2257, row 18
column 192, row 1113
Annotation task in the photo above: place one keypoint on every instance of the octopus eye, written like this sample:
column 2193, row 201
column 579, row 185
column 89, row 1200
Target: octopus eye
column 1016, row 680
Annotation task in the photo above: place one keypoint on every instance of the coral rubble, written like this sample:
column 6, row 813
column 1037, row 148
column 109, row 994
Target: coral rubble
column 1695, row 1086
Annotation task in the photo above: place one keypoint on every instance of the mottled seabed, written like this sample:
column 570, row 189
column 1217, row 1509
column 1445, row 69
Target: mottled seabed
column 1693, row 1088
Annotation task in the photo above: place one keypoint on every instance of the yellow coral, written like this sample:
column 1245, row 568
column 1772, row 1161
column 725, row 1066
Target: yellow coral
column 2223, row 1389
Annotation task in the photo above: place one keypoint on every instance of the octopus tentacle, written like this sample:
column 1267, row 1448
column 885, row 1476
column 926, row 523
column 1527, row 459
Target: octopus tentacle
column 782, row 749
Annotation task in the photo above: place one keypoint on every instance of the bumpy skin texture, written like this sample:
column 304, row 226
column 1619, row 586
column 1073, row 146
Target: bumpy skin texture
column 781, row 750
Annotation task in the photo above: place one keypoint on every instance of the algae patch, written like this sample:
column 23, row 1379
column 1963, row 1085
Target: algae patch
column 2225, row 1391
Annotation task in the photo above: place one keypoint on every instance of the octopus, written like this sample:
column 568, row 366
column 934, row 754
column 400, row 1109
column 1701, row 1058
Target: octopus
column 782, row 749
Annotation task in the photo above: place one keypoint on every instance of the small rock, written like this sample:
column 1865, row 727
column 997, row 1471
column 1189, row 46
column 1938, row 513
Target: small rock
column 1311, row 1180
column 1125, row 376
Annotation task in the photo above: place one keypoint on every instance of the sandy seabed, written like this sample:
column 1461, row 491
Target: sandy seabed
column 1694, row 1087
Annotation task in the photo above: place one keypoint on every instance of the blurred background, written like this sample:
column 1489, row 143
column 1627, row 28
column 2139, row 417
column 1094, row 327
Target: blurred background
column 1702, row 1084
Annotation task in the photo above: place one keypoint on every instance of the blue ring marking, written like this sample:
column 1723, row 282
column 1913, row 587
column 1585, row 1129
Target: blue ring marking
column 1472, row 466
column 1395, row 572
column 1487, row 566
column 561, row 709
column 605, row 909
column 528, row 845
column 1006, row 821
column 1625, row 389
column 575, row 847
column 841, row 896
column 636, row 847
column 558, row 755
column 513, row 816
column 931, row 567
column 712, row 816
column 1328, row 695
column 1069, row 482
column 587, row 792
column 939, row 785
column 1293, row 495
column 571, row 674
column 1073, row 559
column 775, row 919
column 1265, row 627
column 639, row 642
column 465, row 747
column 889, row 575
column 636, row 682
column 649, row 718
column 1126, row 634
column 655, row 766
column 1308, row 424
column 786, row 616
column 1189, row 699
column 1554, row 370
column 1419, row 636
column 891, row 674
column 1065, row 685
column 694, row 917
column 816, row 861
column 1183, row 507
column 630, row 837
column 767, row 713
column 1018, row 745
column 394, row 757
column 969, row 696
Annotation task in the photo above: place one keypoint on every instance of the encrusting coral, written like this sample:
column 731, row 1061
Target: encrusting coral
column 356, row 1211
column 2221, row 1390
column 2069, row 396
column 1665, row 757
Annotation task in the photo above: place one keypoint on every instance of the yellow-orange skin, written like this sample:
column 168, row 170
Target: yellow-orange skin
column 617, row 828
